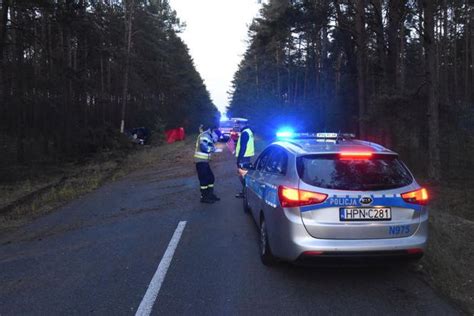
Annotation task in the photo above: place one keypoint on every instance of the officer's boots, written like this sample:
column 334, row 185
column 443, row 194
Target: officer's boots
column 212, row 195
column 205, row 197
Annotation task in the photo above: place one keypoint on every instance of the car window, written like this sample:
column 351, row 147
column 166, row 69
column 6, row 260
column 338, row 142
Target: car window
column 381, row 172
column 278, row 162
column 262, row 160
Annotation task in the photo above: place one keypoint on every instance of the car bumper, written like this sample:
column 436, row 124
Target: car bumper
column 290, row 241
column 357, row 258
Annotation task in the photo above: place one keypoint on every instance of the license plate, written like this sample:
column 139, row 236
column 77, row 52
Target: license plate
column 365, row 214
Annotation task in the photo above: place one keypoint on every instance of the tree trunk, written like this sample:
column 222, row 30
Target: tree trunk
column 3, row 33
column 467, row 90
column 471, row 31
column 277, row 56
column 401, row 70
column 324, row 78
column 445, row 87
column 256, row 75
column 434, row 162
column 395, row 16
column 3, row 27
column 455, row 62
column 380, row 43
column 361, row 64
column 129, row 6
column 17, row 95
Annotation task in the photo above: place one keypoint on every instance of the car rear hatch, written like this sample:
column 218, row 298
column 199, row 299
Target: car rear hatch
column 363, row 196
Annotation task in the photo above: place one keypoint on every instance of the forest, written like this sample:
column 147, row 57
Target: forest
column 396, row 72
column 76, row 73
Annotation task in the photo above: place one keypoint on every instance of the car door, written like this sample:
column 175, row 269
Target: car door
column 274, row 176
column 251, row 183
column 257, row 183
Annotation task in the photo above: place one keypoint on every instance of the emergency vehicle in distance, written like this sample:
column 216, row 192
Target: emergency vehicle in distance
column 327, row 196
column 230, row 128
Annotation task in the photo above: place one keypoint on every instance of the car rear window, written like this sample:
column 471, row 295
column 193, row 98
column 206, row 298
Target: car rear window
column 380, row 172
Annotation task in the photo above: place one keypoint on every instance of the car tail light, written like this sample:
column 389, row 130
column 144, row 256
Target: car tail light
column 290, row 197
column 416, row 197
column 354, row 155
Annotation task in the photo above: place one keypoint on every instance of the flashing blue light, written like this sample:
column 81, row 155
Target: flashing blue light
column 285, row 133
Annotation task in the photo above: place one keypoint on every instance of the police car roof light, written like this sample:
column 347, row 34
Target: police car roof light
column 286, row 133
column 334, row 137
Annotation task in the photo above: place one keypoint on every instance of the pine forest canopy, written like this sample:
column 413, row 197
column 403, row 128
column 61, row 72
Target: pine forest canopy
column 71, row 70
column 396, row 72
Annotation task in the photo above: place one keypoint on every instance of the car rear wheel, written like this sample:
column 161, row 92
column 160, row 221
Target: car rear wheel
column 265, row 252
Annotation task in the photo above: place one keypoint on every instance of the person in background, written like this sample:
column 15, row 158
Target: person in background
column 244, row 151
column 216, row 133
column 202, row 155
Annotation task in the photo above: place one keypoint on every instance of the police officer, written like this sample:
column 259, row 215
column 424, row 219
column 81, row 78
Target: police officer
column 202, row 155
column 244, row 151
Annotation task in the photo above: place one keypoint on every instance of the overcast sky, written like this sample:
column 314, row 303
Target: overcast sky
column 216, row 33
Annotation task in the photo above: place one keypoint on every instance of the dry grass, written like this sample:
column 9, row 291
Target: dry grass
column 50, row 195
column 29, row 198
column 449, row 261
column 157, row 156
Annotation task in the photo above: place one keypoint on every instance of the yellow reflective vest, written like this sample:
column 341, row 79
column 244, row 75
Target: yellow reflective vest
column 206, row 140
column 250, row 149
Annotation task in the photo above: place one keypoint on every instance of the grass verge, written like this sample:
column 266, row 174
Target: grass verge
column 53, row 186
column 449, row 260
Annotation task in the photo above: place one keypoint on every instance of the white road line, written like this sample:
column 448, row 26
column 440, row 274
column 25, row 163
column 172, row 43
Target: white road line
column 154, row 288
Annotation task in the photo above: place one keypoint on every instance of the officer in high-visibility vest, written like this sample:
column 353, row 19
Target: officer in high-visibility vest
column 244, row 151
column 202, row 155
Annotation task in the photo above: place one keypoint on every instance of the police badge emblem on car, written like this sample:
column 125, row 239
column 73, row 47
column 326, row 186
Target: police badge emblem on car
column 366, row 200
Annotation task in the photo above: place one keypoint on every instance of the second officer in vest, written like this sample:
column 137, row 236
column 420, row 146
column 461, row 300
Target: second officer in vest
column 244, row 151
column 202, row 155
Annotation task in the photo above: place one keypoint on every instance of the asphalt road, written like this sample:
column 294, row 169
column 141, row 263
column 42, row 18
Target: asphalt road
column 98, row 255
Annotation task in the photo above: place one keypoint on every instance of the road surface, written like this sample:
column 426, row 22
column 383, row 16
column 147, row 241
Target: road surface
column 122, row 247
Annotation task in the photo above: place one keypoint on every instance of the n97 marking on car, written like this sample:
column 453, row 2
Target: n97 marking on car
column 399, row 230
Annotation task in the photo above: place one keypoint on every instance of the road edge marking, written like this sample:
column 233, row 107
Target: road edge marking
column 151, row 294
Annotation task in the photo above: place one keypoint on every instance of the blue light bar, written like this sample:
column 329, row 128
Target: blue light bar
column 323, row 137
column 285, row 133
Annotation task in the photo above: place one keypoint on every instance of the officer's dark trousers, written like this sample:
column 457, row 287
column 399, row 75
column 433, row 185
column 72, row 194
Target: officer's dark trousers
column 206, row 177
column 243, row 163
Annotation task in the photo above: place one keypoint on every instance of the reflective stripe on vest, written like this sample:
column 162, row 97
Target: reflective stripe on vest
column 198, row 154
column 250, row 150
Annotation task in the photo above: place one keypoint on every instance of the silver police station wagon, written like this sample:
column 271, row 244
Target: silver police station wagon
column 325, row 196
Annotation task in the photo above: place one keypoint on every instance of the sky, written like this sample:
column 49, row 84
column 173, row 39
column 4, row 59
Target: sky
column 216, row 34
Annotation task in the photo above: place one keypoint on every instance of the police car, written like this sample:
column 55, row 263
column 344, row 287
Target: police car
column 325, row 196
